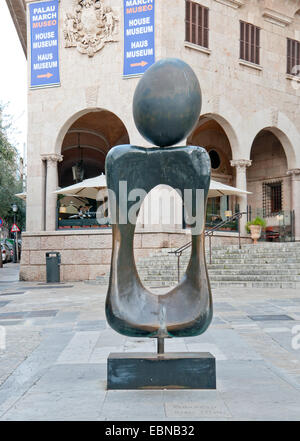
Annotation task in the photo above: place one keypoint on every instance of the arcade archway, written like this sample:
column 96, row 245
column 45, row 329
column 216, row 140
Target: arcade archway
column 210, row 134
column 87, row 143
column 270, row 185
column 84, row 149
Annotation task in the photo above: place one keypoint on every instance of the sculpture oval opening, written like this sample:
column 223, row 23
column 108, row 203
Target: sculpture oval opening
column 160, row 229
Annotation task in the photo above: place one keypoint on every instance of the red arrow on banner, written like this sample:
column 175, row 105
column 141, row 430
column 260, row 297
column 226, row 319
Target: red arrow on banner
column 47, row 75
column 142, row 63
column 15, row 229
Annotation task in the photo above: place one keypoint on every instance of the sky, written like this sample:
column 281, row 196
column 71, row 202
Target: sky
column 13, row 77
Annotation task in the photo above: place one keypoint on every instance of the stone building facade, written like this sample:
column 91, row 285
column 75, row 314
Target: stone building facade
column 249, row 122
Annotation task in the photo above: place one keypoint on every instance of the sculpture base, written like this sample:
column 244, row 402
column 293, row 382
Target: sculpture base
column 175, row 370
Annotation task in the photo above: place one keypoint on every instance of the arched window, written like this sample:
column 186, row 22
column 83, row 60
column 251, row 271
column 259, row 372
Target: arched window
column 215, row 159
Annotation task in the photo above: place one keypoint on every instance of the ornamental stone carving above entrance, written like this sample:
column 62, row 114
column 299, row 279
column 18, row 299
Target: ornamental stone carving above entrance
column 89, row 26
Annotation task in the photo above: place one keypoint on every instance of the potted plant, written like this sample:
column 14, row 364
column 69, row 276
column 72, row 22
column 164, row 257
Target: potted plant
column 255, row 227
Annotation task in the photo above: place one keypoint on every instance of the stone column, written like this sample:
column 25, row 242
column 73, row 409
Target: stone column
column 241, row 183
column 51, row 186
column 295, row 198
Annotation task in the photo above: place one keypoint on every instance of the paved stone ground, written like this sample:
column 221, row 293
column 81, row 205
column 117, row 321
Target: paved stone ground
column 57, row 343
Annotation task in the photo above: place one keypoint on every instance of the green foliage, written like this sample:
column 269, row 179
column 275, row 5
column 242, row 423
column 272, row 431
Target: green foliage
column 257, row 221
column 10, row 180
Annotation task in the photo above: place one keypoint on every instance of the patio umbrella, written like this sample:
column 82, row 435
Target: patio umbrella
column 74, row 201
column 88, row 188
column 22, row 196
column 218, row 189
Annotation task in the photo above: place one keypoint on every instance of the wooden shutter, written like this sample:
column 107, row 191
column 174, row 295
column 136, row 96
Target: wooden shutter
column 242, row 40
column 205, row 41
column 187, row 20
column 249, row 42
column 196, row 23
column 293, row 56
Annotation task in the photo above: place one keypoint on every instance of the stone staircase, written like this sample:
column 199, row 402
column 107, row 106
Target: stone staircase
column 266, row 265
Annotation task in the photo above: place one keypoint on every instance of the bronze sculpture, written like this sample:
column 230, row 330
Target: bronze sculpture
column 166, row 107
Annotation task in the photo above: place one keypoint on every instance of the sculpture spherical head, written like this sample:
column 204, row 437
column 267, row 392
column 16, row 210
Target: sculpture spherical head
column 167, row 102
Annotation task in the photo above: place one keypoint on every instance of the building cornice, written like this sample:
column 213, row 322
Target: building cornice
column 17, row 9
column 232, row 3
column 277, row 18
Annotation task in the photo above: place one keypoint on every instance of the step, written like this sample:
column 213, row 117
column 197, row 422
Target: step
column 233, row 262
column 159, row 279
column 265, row 266
column 231, row 276
column 214, row 284
column 243, row 270
column 252, row 277
column 277, row 285
column 227, row 256
column 255, row 272
column 249, row 261
column 219, row 269
column 158, row 283
column 225, row 284
column 230, row 250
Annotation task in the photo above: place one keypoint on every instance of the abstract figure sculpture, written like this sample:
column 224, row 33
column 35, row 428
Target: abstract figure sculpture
column 166, row 107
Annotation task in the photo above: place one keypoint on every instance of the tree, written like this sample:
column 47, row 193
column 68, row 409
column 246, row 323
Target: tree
column 10, row 178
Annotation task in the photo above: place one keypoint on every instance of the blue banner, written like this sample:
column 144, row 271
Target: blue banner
column 44, row 43
column 139, row 36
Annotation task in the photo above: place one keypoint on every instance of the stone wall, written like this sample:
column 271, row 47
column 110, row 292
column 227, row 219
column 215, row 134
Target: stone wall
column 85, row 255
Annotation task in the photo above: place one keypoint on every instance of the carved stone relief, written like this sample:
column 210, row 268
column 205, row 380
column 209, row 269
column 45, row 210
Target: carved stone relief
column 89, row 26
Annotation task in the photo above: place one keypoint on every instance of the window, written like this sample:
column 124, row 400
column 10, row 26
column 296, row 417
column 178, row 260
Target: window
column 214, row 159
column 249, row 42
column 196, row 23
column 293, row 56
column 272, row 198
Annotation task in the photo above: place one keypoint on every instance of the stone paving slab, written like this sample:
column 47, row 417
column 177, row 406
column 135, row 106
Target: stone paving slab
column 3, row 288
column 61, row 405
column 30, row 288
column 57, row 344
column 91, row 325
column 27, row 314
column 12, row 293
column 133, row 405
column 270, row 317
